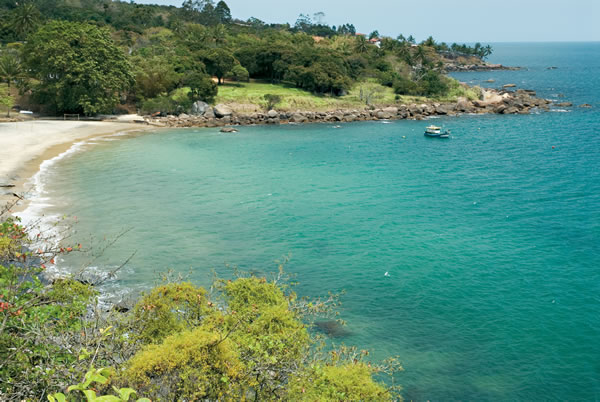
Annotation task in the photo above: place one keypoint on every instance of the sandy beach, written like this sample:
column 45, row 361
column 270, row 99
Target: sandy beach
column 25, row 145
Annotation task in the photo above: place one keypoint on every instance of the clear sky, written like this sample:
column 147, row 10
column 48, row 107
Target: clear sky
column 446, row 20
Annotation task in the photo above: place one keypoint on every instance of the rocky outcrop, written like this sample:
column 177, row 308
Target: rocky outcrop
column 454, row 66
column 502, row 101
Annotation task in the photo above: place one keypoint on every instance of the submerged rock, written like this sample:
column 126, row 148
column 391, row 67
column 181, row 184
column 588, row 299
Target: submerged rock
column 228, row 130
column 586, row 105
column 332, row 328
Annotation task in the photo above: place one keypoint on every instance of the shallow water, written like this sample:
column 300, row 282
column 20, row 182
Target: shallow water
column 491, row 239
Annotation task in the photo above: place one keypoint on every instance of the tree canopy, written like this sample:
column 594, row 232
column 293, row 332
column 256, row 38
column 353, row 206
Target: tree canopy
column 79, row 67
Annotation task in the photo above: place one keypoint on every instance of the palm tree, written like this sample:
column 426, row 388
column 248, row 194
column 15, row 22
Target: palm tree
column 24, row 19
column 420, row 54
column 219, row 34
column 10, row 71
column 362, row 44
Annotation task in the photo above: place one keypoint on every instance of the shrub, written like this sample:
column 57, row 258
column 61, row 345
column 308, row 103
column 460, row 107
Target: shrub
column 168, row 309
column 197, row 364
column 347, row 382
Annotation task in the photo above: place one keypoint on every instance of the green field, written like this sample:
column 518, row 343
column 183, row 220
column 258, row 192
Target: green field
column 252, row 93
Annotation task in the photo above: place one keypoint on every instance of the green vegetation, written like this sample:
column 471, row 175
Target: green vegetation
column 249, row 338
column 92, row 57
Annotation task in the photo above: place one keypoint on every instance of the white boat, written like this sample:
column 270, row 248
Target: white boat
column 435, row 131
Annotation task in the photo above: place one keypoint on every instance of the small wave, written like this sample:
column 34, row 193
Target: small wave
column 560, row 110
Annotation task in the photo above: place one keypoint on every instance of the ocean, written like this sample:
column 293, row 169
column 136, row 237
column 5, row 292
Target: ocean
column 476, row 259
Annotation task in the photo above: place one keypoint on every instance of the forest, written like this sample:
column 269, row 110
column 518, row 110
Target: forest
column 90, row 57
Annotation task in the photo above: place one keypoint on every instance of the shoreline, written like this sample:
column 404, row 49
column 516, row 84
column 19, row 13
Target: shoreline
column 503, row 101
column 26, row 145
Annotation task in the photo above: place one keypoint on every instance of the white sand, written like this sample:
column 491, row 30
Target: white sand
column 26, row 142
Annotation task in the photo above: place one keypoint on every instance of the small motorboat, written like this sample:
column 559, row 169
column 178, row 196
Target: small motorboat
column 435, row 131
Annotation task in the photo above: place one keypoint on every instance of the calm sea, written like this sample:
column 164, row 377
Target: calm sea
column 490, row 240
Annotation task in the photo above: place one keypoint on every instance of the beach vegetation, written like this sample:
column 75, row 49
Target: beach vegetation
column 246, row 338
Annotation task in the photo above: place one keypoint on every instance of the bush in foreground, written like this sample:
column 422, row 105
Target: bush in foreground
column 249, row 339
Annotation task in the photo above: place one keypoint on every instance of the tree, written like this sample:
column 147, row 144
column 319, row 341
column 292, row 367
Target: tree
column 223, row 12
column 239, row 73
column 78, row 67
column 10, row 70
column 374, row 35
column 202, row 87
column 219, row 63
column 24, row 19
column 154, row 76
column 272, row 100
column 362, row 44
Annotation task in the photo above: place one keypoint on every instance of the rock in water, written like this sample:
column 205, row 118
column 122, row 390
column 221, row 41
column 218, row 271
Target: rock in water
column 222, row 110
column 586, row 105
column 509, row 86
column 199, row 108
column 332, row 328
column 228, row 130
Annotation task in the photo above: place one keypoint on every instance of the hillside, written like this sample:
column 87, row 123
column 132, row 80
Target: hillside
column 161, row 59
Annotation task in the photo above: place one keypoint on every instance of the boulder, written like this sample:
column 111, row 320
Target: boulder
column 228, row 130
column 391, row 110
column 586, row 105
column 183, row 116
column 443, row 109
column 209, row 113
column 510, row 110
column 500, row 108
column 563, row 104
column 271, row 114
column 509, row 86
column 222, row 110
column 298, row 118
column 464, row 105
column 199, row 108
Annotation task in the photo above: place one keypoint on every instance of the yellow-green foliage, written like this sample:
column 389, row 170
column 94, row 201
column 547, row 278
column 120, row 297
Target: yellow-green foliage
column 456, row 90
column 191, row 365
column 274, row 336
column 253, row 293
column 348, row 382
column 69, row 291
column 168, row 309
column 8, row 247
column 272, row 340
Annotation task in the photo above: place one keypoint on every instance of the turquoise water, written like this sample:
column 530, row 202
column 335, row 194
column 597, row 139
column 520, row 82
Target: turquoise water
column 491, row 239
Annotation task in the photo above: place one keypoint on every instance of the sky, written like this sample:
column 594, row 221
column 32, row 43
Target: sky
column 447, row 20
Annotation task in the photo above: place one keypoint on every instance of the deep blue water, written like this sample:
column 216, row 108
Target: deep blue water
column 491, row 239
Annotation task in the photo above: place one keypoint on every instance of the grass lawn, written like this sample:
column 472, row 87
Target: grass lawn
column 253, row 92
column 291, row 98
